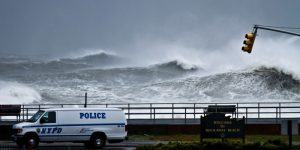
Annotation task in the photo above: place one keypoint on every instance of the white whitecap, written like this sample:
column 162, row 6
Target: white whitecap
column 16, row 93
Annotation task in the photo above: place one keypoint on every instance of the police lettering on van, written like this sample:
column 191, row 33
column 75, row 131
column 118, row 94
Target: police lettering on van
column 49, row 130
column 92, row 115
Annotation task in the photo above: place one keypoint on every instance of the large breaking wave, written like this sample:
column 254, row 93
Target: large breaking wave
column 109, row 78
column 262, row 83
column 16, row 93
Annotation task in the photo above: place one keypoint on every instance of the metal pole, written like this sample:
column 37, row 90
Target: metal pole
column 27, row 114
column 279, row 110
column 276, row 114
column 246, row 114
column 194, row 111
column 184, row 115
column 154, row 113
column 275, row 30
column 244, row 138
column 150, row 110
column 23, row 112
column 85, row 99
column 237, row 110
column 172, row 110
column 128, row 111
column 290, row 132
column 258, row 110
column 201, row 129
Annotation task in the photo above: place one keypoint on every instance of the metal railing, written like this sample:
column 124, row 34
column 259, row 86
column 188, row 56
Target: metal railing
column 276, row 110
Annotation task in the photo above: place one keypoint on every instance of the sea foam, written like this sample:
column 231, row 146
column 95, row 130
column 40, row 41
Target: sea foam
column 16, row 93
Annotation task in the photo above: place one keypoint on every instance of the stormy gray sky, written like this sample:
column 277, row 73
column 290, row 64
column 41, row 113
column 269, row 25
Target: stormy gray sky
column 56, row 28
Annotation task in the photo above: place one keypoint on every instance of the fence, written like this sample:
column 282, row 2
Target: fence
column 155, row 111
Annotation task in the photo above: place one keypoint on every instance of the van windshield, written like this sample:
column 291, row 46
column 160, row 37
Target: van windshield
column 36, row 116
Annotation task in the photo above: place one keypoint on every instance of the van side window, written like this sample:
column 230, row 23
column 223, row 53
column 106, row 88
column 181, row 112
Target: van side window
column 49, row 117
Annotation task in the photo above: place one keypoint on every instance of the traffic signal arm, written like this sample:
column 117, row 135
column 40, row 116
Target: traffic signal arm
column 275, row 30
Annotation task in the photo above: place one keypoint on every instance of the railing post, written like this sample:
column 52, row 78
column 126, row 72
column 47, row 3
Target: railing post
column 27, row 114
column 128, row 111
column 258, row 110
column 106, row 105
column 194, row 111
column 185, row 115
column 276, row 114
column 172, row 111
column 237, row 110
column 154, row 113
column 150, row 110
column 246, row 114
column 279, row 110
column 23, row 112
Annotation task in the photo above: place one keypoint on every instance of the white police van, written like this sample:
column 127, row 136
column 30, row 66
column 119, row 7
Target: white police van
column 91, row 126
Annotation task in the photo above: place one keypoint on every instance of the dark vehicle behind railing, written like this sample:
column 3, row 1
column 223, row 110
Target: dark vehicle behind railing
column 10, row 110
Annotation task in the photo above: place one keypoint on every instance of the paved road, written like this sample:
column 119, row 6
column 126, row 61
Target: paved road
column 130, row 145
column 69, row 146
column 78, row 148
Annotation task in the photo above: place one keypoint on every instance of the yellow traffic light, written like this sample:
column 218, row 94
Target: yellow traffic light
column 249, row 42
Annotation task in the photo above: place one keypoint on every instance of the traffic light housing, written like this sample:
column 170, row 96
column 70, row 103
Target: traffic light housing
column 248, row 43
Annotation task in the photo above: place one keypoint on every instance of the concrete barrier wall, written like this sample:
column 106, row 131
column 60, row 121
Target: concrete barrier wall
column 264, row 129
column 163, row 129
column 5, row 132
column 295, row 126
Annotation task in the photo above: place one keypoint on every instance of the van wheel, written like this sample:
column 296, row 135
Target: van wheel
column 97, row 141
column 31, row 141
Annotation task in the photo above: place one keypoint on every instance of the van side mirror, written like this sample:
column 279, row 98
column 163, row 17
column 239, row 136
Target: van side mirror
column 42, row 120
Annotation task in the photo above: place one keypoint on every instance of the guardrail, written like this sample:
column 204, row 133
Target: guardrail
column 154, row 111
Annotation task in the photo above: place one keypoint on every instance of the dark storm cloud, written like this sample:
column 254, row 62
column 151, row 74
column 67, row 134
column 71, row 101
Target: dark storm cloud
column 61, row 27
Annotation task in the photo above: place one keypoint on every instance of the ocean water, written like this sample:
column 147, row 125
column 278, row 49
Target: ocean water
column 109, row 79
